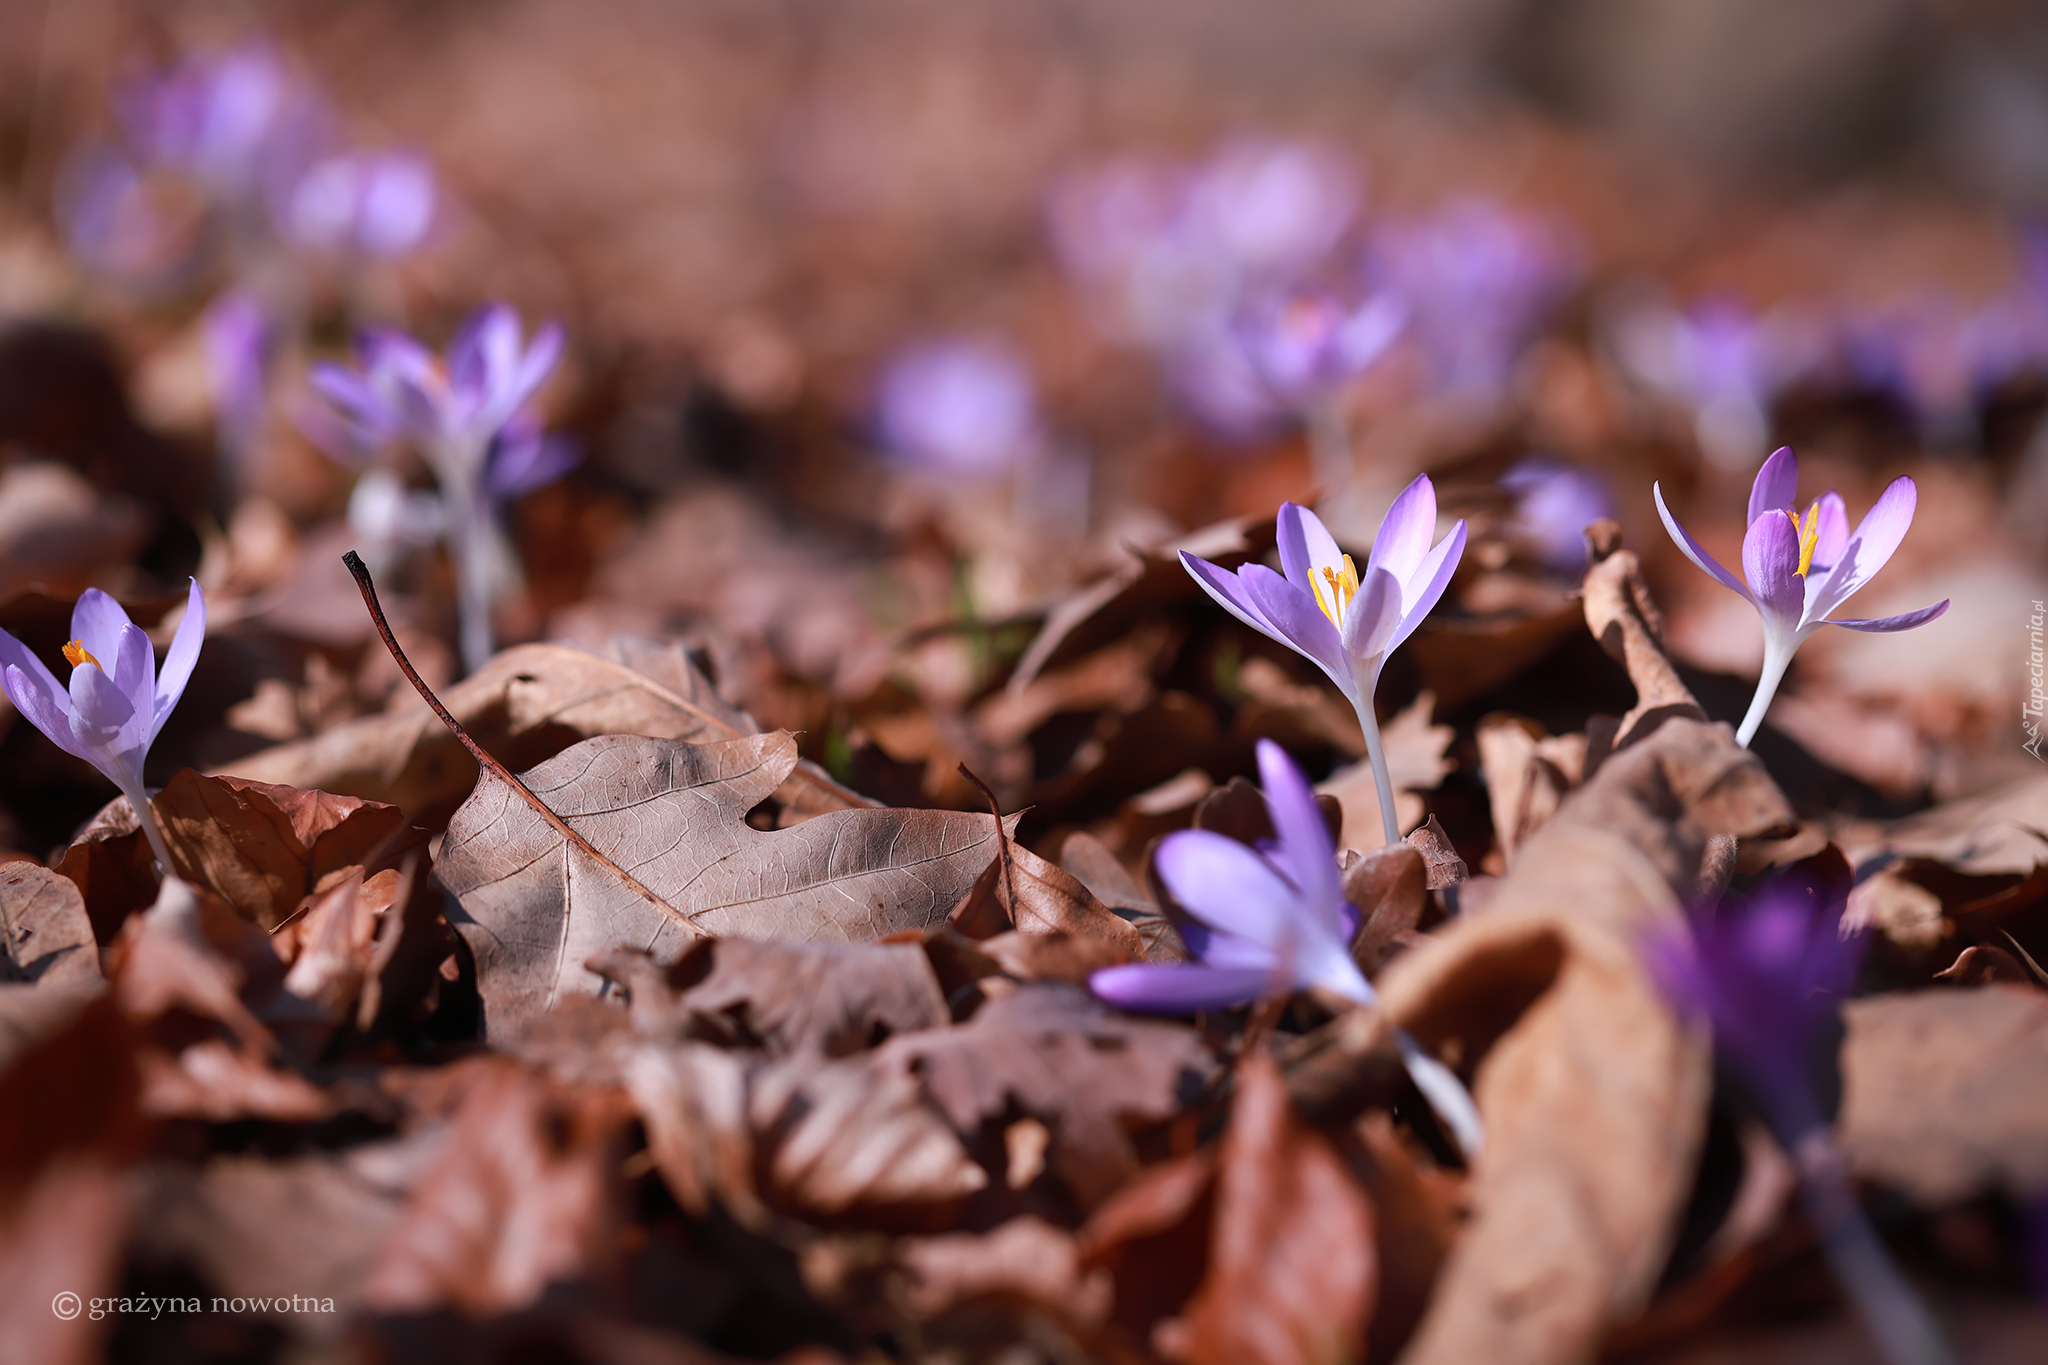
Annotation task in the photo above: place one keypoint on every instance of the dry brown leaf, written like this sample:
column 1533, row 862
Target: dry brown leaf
column 1390, row 887
column 1945, row 1092
column 1293, row 1271
column 526, row 705
column 44, row 932
column 534, row 908
column 1151, row 1236
column 828, row 998
column 523, row 1192
column 1025, row 1260
column 1023, row 892
column 1528, row 773
column 1593, row 1094
column 692, row 1100
column 2002, row 832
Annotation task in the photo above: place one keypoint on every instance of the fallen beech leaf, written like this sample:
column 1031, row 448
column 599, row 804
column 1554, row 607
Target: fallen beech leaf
column 523, row 1192
column 1594, row 1096
column 1292, row 1266
column 828, row 998
column 526, row 705
column 1390, row 887
column 265, row 848
column 2000, row 832
column 1023, row 892
column 1151, row 1236
column 535, row 907
column 1527, row 774
column 1441, row 864
column 692, row 1100
column 1025, row 1259
column 44, row 933
column 1945, row 1092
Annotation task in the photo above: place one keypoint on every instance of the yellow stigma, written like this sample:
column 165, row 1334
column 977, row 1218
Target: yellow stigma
column 1809, row 536
column 1342, row 587
column 76, row 653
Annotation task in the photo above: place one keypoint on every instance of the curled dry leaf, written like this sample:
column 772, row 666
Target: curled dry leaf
column 1389, row 886
column 523, row 1192
column 1022, row 892
column 677, row 858
column 526, row 705
column 1293, row 1270
column 1626, row 622
column 44, row 933
column 827, row 998
column 1528, row 773
column 1945, row 1092
column 1594, row 1094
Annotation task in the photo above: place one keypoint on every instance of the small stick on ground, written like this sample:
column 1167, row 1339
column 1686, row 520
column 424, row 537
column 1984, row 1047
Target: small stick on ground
column 361, row 573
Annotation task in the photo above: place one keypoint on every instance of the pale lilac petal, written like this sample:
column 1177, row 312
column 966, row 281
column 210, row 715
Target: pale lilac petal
column 1776, row 486
column 1297, row 620
column 1230, row 594
column 1694, row 551
column 539, row 361
column 14, row 655
column 47, row 713
column 1770, row 560
column 98, row 708
column 97, row 622
column 1306, row 545
column 484, row 354
column 1229, row 887
column 1373, row 616
column 1877, row 536
column 1306, row 853
column 1903, row 621
column 1214, row 948
column 132, row 670
column 1433, row 577
column 179, row 659
column 1406, row 530
column 1181, row 988
column 1831, row 528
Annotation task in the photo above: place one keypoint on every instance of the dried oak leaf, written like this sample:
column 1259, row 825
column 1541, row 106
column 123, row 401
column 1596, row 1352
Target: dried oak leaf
column 1945, row 1092
column 1048, row 1050
column 1040, row 920
column 535, row 907
column 523, row 1192
column 526, row 705
column 47, row 937
column 829, row 998
column 1593, row 1093
column 1293, row 1270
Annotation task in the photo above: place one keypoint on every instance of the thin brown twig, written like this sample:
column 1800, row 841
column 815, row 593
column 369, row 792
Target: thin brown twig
column 1002, row 839
column 361, row 573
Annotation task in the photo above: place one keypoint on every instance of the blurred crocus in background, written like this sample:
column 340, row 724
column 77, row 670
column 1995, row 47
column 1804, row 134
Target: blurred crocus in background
column 1800, row 568
column 1305, row 348
column 1722, row 361
column 1769, row 976
column 117, row 700
column 958, row 408
column 1268, row 921
column 1344, row 622
column 468, row 419
column 1554, row 504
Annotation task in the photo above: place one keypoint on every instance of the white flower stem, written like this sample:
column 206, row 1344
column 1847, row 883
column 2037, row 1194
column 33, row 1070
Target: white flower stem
column 1777, row 657
column 1904, row 1330
column 468, row 528
column 138, row 799
column 1376, row 754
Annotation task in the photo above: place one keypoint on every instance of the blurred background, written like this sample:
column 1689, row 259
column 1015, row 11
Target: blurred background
column 893, row 325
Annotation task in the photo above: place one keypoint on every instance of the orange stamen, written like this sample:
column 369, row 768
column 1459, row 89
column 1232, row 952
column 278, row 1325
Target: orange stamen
column 76, row 653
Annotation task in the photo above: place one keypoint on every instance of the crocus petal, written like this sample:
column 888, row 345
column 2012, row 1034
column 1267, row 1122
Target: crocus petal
column 1306, row 545
column 538, row 363
column 97, row 622
column 484, row 354
column 1405, row 530
column 1373, row 616
column 179, row 659
column 1429, row 583
column 47, row 713
column 1831, row 528
column 1306, row 852
column 1770, row 560
column 1876, row 537
column 1694, row 551
column 1229, row 593
column 15, row 656
column 1297, row 621
column 1229, row 887
column 352, row 394
column 98, row 708
column 1181, row 988
column 1776, row 486
column 1903, row 621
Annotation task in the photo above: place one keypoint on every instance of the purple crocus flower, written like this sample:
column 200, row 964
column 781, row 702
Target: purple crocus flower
column 1345, row 623
column 237, row 334
column 963, row 408
column 467, row 417
column 1800, row 568
column 1306, row 346
column 377, row 204
column 1722, row 360
column 233, row 121
column 1268, row 921
column 1554, row 504
column 117, row 699
column 1770, row 977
